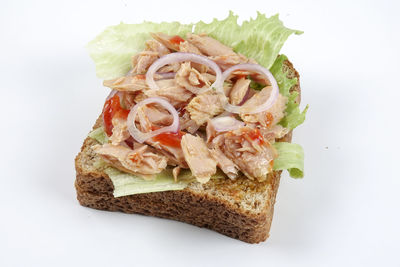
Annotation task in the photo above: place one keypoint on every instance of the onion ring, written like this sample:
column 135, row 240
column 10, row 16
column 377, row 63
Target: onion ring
column 180, row 57
column 141, row 136
column 256, row 68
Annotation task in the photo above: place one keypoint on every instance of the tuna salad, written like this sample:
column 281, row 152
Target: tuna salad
column 193, row 104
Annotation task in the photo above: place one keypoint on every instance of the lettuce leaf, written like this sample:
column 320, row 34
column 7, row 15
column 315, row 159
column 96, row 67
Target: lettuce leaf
column 280, row 75
column 99, row 135
column 129, row 184
column 291, row 158
column 294, row 117
column 260, row 39
column 112, row 50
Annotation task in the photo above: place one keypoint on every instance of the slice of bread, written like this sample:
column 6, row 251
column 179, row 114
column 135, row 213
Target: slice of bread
column 241, row 209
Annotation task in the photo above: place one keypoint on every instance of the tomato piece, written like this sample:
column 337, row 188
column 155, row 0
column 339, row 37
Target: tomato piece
column 122, row 113
column 169, row 139
column 176, row 40
column 112, row 108
column 240, row 76
column 255, row 135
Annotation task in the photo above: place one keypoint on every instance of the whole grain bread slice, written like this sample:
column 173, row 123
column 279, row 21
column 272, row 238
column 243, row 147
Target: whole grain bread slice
column 242, row 209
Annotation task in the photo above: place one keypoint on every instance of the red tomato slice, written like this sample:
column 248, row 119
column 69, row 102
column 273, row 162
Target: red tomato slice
column 112, row 108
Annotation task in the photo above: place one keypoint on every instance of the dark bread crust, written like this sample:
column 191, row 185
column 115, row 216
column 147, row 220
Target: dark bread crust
column 216, row 206
column 194, row 208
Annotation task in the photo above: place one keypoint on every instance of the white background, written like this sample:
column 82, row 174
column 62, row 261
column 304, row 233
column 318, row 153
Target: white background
column 345, row 212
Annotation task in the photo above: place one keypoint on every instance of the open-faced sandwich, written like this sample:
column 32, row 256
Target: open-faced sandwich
column 197, row 126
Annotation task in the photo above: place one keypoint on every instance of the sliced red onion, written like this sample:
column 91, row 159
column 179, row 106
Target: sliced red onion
column 256, row 68
column 227, row 123
column 141, row 136
column 180, row 57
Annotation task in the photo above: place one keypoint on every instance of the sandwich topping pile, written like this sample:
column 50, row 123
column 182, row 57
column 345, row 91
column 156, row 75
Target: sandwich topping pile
column 189, row 106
